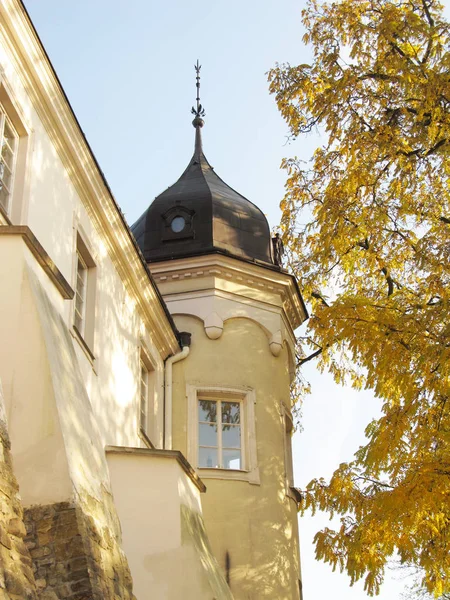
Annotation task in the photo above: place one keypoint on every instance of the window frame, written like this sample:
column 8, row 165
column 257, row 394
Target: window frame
column 22, row 127
column 81, row 314
column 247, row 397
column 288, row 429
column 149, row 431
column 219, row 426
column 143, row 397
column 5, row 120
column 84, row 255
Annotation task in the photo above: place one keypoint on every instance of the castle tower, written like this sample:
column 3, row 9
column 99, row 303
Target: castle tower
column 228, row 403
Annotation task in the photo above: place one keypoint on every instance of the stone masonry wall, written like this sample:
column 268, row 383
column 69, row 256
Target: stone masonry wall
column 57, row 551
column 71, row 558
column 17, row 581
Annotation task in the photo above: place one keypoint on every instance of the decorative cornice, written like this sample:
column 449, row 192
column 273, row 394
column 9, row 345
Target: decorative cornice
column 215, row 307
column 250, row 276
column 54, row 110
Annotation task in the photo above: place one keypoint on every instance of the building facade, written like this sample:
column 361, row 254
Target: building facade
column 145, row 414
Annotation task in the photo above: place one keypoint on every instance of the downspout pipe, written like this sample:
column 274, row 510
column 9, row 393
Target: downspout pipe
column 185, row 342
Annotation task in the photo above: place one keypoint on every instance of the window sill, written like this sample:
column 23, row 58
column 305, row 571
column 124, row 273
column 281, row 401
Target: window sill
column 230, row 474
column 79, row 338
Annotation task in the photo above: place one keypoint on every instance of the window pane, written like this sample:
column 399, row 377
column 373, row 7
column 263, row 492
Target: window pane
column 144, row 379
column 207, row 411
column 143, row 419
column 9, row 136
column 207, row 458
column 79, row 304
column 231, row 459
column 207, row 435
column 7, row 156
column 5, row 176
column 231, row 412
column 78, row 322
column 4, row 197
column 231, row 436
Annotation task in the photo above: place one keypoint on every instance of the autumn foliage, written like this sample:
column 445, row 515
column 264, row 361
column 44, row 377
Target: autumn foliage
column 367, row 227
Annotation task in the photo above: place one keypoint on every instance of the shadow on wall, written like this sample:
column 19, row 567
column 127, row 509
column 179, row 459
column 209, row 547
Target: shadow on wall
column 193, row 532
column 113, row 387
column 83, row 450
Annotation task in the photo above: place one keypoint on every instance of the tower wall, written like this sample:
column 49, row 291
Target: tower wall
column 250, row 517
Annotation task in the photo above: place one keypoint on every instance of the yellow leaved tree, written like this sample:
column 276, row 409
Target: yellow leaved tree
column 367, row 227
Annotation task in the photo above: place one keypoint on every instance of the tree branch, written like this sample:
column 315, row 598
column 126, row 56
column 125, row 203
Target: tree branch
column 302, row 361
column 427, row 12
column 389, row 280
column 375, row 481
column 436, row 147
column 319, row 297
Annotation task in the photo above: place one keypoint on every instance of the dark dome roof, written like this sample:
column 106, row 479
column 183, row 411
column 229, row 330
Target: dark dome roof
column 200, row 214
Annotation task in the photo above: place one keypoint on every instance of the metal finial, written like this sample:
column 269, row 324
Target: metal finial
column 199, row 112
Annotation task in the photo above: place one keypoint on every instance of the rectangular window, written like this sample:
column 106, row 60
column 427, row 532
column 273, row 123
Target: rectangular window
column 85, row 293
column 222, row 432
column 9, row 144
column 143, row 401
column 288, row 462
column 147, row 419
column 80, row 295
column 219, row 434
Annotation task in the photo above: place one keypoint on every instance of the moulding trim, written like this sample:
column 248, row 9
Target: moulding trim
column 37, row 250
column 157, row 453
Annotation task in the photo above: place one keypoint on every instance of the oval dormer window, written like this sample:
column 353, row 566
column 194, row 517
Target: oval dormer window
column 177, row 224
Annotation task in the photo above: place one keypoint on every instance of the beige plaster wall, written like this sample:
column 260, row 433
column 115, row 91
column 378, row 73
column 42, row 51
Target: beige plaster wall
column 163, row 533
column 50, row 205
column 37, row 443
column 255, row 524
column 54, row 433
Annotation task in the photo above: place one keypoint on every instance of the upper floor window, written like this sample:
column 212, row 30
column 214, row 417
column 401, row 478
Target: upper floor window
column 9, row 144
column 289, row 465
column 219, row 434
column 81, row 294
column 146, row 398
column 85, row 294
column 143, row 404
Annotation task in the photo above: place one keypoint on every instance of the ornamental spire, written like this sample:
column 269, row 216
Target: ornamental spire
column 199, row 112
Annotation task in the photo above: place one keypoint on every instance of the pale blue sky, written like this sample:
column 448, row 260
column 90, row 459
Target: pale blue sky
column 127, row 68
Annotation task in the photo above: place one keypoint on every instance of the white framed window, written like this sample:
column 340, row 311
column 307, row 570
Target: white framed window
column 288, row 429
column 143, row 400
column 85, row 294
column 9, row 141
column 146, row 417
column 221, row 432
column 81, row 295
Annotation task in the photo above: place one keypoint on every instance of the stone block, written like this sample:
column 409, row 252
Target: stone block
column 48, row 595
column 40, row 552
column 16, row 527
column 17, row 584
column 5, row 540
